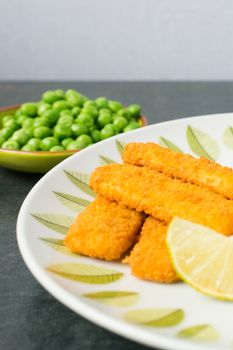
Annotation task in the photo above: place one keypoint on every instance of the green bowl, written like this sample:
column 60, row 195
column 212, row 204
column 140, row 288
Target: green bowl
column 33, row 162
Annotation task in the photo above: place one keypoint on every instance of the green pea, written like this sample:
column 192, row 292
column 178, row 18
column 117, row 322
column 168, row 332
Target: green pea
column 51, row 116
column 11, row 145
column 66, row 112
column 50, row 97
column 134, row 110
column 91, row 128
column 20, row 119
column 6, row 118
column 65, row 120
column 101, row 102
column 28, row 148
column 124, row 113
column 71, row 92
column 18, row 113
column 105, row 111
column 41, row 132
column 107, row 131
column 35, row 143
column 20, row 136
column 76, row 111
column 89, row 103
column 11, row 123
column 60, row 93
column 131, row 126
column 5, row 133
column 104, row 118
column 72, row 146
column 29, row 131
column 29, row 109
column 62, row 131
column 74, row 98
column 27, row 123
column 2, row 140
column 93, row 111
column 134, row 120
column 56, row 149
column 119, row 123
column 48, row 142
column 40, row 121
column 96, row 135
column 86, row 118
column 84, row 140
column 75, row 101
column 80, row 145
column 42, row 108
column 66, row 141
column 60, row 105
column 115, row 106
column 84, row 99
column 79, row 129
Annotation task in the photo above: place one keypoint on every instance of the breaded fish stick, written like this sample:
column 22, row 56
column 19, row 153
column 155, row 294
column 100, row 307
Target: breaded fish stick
column 181, row 166
column 150, row 257
column 163, row 197
column 104, row 230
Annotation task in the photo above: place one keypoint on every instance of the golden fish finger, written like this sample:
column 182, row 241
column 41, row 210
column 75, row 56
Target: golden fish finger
column 104, row 230
column 181, row 166
column 150, row 257
column 163, row 197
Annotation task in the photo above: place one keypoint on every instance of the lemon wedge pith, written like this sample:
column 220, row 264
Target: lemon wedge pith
column 202, row 257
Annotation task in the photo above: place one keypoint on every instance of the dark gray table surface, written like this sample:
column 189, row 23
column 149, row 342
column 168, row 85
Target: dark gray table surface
column 30, row 317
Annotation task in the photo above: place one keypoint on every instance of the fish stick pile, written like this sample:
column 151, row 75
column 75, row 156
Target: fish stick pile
column 137, row 200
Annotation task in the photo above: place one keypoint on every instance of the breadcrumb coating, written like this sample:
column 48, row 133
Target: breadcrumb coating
column 150, row 258
column 104, row 230
column 181, row 166
column 163, row 197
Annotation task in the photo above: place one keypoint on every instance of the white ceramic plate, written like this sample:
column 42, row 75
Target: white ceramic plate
column 170, row 311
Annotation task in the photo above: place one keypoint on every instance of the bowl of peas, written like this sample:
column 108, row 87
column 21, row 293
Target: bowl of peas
column 35, row 136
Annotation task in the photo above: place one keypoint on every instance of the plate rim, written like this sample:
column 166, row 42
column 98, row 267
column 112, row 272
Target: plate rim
column 75, row 303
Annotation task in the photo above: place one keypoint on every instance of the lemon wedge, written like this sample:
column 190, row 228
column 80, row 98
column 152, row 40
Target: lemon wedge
column 202, row 258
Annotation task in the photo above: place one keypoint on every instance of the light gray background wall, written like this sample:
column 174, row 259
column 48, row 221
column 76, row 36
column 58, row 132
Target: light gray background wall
column 116, row 39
